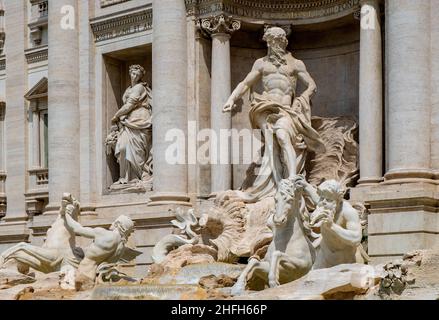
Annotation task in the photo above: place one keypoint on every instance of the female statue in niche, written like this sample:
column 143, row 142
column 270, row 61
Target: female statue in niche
column 130, row 139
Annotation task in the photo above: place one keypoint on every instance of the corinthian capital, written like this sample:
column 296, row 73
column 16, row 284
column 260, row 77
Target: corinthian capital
column 219, row 24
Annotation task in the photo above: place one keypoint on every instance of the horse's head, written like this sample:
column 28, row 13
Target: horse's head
column 287, row 194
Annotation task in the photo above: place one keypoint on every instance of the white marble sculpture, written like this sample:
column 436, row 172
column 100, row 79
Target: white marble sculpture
column 108, row 247
column 188, row 224
column 289, row 134
column 59, row 251
column 78, row 267
column 291, row 254
column 284, row 118
column 337, row 221
column 131, row 135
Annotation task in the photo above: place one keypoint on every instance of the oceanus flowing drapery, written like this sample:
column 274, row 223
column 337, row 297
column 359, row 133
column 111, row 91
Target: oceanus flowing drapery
column 270, row 116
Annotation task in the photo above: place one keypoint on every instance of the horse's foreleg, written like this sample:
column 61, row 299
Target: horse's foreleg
column 35, row 257
column 4, row 257
column 28, row 260
column 273, row 275
column 293, row 267
column 45, row 256
column 240, row 284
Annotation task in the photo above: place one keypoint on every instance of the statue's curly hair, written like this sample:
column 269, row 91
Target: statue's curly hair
column 138, row 67
column 274, row 32
column 333, row 186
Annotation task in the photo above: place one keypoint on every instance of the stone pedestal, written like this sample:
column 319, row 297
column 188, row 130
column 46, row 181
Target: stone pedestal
column 402, row 218
column 63, row 103
column 169, row 83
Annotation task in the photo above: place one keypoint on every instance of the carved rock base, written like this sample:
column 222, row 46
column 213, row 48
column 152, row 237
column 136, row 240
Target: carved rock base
column 132, row 187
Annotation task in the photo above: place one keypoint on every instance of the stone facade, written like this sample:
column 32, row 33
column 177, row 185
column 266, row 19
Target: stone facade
column 64, row 72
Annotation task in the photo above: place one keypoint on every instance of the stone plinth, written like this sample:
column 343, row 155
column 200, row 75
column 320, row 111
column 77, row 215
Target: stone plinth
column 403, row 217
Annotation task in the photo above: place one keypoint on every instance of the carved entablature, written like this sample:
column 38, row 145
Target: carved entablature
column 107, row 3
column 107, row 28
column 301, row 11
column 35, row 55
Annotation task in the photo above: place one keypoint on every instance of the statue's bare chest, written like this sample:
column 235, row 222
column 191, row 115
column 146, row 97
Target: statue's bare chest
column 287, row 70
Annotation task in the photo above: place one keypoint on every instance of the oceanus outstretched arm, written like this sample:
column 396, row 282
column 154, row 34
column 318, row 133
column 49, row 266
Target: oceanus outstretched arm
column 251, row 79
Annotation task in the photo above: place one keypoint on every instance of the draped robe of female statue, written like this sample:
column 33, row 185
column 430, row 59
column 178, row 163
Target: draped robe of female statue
column 130, row 140
column 133, row 147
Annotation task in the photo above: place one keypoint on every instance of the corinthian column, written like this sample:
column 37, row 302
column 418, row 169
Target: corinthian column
column 220, row 29
column 371, row 94
column 63, row 101
column 408, row 77
column 169, row 84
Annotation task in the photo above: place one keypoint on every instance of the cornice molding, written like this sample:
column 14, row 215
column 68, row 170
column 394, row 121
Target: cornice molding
column 107, row 3
column 106, row 28
column 301, row 11
column 36, row 55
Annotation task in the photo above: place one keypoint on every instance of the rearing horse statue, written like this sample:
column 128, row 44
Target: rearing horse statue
column 291, row 254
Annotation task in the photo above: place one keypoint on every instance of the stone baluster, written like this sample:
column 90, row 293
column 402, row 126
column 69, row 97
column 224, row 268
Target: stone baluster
column 371, row 94
column 220, row 28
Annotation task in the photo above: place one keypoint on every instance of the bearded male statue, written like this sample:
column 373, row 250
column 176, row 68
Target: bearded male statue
column 283, row 117
column 338, row 223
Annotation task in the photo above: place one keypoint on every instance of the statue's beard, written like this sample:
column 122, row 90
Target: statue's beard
column 320, row 213
column 276, row 55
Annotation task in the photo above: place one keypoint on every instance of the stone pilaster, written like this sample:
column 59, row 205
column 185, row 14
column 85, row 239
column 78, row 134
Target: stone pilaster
column 15, row 117
column 87, row 110
column 408, row 89
column 220, row 29
column 435, row 87
column 2, row 160
column 169, row 84
column 63, row 101
column 371, row 94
